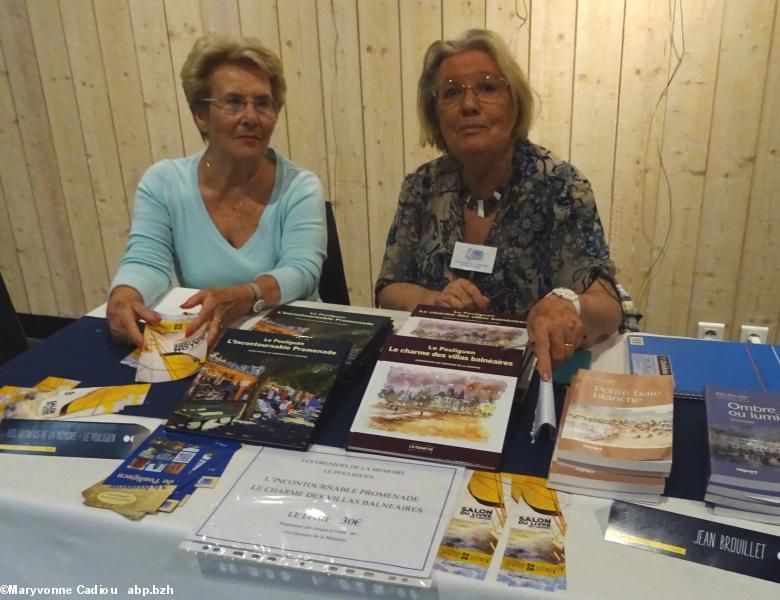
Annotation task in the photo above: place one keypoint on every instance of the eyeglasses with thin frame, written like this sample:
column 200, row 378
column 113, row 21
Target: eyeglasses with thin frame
column 235, row 104
column 489, row 88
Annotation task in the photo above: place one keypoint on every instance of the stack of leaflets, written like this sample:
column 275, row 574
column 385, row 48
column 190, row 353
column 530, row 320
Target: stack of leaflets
column 261, row 388
column 470, row 327
column 437, row 400
column 161, row 474
column 744, row 446
column 616, row 437
column 365, row 332
column 506, row 528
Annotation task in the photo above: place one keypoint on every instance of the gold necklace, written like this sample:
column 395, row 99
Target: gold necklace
column 237, row 209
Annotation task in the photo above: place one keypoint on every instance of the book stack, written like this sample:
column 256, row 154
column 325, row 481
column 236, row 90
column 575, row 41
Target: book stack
column 438, row 400
column 261, row 388
column 365, row 332
column 486, row 329
column 616, row 437
column 744, row 447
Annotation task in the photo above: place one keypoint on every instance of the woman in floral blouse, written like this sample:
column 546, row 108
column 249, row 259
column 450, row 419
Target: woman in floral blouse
column 494, row 190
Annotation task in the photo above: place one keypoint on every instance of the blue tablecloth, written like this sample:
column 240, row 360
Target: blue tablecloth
column 84, row 351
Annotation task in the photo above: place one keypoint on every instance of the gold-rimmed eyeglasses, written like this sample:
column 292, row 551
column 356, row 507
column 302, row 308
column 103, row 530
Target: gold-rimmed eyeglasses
column 235, row 104
column 488, row 88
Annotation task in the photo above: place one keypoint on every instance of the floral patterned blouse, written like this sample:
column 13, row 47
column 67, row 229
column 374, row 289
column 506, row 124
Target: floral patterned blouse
column 547, row 233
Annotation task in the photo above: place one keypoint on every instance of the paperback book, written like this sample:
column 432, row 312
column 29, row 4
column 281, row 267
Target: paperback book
column 744, row 438
column 365, row 332
column 261, row 388
column 454, row 325
column 436, row 400
column 619, row 421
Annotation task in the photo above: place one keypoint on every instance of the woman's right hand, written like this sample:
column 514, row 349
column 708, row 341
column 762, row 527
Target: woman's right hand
column 125, row 308
column 462, row 294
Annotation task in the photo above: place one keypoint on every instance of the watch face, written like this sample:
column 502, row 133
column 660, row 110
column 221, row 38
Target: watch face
column 258, row 306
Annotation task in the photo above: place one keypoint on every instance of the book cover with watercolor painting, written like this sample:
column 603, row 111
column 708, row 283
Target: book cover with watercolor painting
column 438, row 400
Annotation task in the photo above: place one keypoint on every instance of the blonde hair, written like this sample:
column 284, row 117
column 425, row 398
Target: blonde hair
column 489, row 43
column 214, row 50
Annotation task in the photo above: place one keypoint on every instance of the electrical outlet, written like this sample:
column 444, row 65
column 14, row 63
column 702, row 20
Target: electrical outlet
column 754, row 333
column 711, row 331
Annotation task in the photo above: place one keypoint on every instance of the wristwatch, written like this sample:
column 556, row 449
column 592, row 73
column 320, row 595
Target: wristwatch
column 258, row 303
column 569, row 295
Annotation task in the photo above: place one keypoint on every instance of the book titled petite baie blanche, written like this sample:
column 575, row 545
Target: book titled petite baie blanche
column 436, row 400
column 619, row 421
column 744, row 439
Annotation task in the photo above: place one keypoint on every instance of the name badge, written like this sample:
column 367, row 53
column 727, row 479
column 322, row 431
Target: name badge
column 471, row 257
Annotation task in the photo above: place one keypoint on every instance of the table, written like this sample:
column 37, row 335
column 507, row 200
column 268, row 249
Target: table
column 50, row 539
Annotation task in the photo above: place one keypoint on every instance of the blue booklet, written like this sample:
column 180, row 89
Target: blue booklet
column 744, row 438
column 695, row 363
column 170, row 458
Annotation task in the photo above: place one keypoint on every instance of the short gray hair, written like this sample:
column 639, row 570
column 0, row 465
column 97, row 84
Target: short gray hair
column 489, row 43
column 214, row 50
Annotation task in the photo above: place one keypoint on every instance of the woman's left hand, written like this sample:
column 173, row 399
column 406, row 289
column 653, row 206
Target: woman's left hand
column 555, row 331
column 219, row 307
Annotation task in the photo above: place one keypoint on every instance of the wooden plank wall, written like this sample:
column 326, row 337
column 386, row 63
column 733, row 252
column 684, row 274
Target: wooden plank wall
column 687, row 180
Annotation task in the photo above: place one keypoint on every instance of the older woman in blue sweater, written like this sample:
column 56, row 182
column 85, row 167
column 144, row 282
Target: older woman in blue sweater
column 237, row 220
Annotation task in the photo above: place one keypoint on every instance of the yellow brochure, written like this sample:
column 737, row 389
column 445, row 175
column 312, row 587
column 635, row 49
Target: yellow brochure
column 77, row 402
column 167, row 354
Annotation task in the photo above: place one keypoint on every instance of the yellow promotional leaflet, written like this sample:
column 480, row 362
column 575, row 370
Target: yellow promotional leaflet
column 29, row 403
column 506, row 528
column 168, row 354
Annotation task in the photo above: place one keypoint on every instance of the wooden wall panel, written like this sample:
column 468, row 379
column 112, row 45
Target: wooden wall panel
column 420, row 23
column 759, row 281
column 595, row 96
column 10, row 268
column 36, row 293
column 378, row 22
column 220, row 16
column 686, row 137
column 461, row 15
column 123, row 81
column 340, row 61
column 644, row 73
column 185, row 26
column 73, row 153
column 99, row 140
column 70, row 154
column 552, row 28
column 44, row 178
column 511, row 20
column 301, row 56
column 259, row 20
column 158, row 83
column 744, row 49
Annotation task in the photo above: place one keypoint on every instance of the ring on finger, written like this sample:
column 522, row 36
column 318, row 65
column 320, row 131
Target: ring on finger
column 568, row 345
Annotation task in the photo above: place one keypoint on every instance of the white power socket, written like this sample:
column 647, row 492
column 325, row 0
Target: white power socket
column 754, row 333
column 710, row 331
